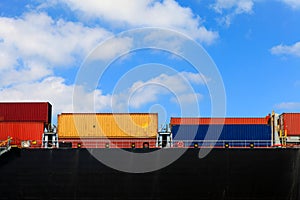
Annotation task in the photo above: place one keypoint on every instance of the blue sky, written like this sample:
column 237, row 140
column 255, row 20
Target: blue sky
column 255, row 45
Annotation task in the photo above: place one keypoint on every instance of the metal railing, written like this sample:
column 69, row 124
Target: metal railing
column 150, row 143
column 113, row 143
column 89, row 143
column 221, row 143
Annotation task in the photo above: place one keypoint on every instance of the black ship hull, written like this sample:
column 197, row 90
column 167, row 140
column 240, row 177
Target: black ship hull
column 222, row 174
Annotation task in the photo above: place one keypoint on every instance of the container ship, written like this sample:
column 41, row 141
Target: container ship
column 216, row 158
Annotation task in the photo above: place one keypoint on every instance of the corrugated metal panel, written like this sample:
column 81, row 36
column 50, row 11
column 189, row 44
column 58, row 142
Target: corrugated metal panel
column 235, row 120
column 133, row 125
column 26, row 111
column 291, row 123
column 21, row 130
column 229, row 132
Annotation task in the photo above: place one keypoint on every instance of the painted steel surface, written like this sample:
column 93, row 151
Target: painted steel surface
column 117, row 125
column 26, row 111
column 257, row 174
column 234, row 120
column 242, row 133
column 21, row 131
column 291, row 123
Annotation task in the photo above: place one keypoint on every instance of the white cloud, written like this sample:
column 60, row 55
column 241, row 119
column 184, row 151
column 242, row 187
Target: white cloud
column 61, row 95
column 295, row 4
column 34, row 44
column 51, row 89
column 145, row 94
column 231, row 8
column 179, row 85
column 90, row 101
column 37, row 36
column 195, row 77
column 238, row 6
column 164, row 39
column 110, row 49
column 24, row 74
column 177, row 88
column 141, row 13
column 176, row 83
column 54, row 90
column 7, row 58
column 286, row 50
column 288, row 105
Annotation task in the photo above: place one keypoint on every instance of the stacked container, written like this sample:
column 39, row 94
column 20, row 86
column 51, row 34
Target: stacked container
column 98, row 130
column 24, row 121
column 220, row 132
column 290, row 124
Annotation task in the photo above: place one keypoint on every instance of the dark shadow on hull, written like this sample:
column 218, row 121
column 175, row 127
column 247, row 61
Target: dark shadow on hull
column 223, row 174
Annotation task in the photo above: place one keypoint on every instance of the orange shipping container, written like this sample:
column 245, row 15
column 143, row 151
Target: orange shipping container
column 21, row 131
column 110, row 125
column 231, row 120
column 291, row 124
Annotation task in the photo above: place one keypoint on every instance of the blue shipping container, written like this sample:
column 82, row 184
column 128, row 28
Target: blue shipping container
column 233, row 135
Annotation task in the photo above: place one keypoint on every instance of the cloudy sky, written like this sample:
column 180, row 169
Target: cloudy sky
column 255, row 45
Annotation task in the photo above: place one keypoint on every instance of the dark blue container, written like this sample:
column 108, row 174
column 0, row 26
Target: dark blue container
column 228, row 135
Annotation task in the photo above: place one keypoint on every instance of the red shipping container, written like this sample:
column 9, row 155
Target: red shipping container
column 231, row 120
column 21, row 131
column 291, row 123
column 25, row 112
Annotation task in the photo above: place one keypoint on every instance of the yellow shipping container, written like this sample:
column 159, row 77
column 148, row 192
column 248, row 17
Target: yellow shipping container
column 109, row 125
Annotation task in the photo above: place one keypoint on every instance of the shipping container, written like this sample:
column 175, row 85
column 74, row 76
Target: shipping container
column 22, row 131
column 230, row 120
column 290, row 124
column 109, row 143
column 117, row 125
column 235, row 135
column 25, row 112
